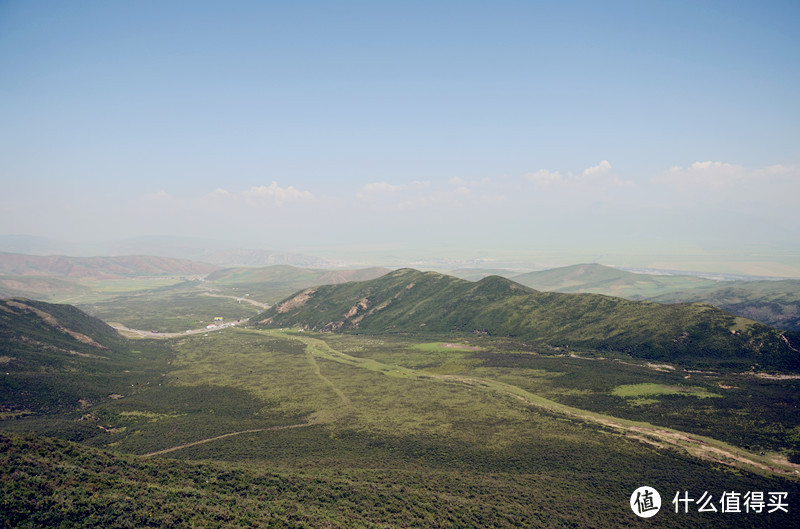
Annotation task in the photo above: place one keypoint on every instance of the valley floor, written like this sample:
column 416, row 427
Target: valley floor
column 257, row 428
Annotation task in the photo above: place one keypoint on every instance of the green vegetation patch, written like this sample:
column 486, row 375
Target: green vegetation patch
column 169, row 310
column 148, row 415
column 444, row 346
column 649, row 389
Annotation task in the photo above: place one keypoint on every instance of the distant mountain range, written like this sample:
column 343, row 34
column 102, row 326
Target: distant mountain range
column 221, row 253
column 273, row 283
column 407, row 300
column 775, row 303
column 598, row 279
column 99, row 267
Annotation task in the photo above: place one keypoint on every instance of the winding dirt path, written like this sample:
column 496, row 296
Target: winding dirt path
column 315, row 366
column 245, row 299
column 138, row 333
column 660, row 437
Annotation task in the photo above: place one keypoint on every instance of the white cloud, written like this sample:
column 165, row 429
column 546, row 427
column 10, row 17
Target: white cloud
column 457, row 181
column 221, row 199
column 273, row 193
column 218, row 193
column 768, row 191
column 598, row 170
column 376, row 189
column 791, row 171
column 704, row 175
column 594, row 178
column 256, row 197
column 545, row 178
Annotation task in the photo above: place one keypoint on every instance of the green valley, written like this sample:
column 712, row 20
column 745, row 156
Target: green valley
column 424, row 423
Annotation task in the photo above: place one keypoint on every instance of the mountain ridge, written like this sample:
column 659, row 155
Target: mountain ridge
column 774, row 302
column 408, row 300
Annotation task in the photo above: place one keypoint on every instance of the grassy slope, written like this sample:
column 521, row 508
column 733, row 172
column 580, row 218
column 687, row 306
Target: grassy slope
column 55, row 356
column 411, row 301
column 47, row 483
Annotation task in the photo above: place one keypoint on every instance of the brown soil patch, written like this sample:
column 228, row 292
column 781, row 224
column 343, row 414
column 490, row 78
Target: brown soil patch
column 297, row 301
column 777, row 377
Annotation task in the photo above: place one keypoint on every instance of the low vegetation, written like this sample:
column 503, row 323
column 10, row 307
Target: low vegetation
column 278, row 428
column 174, row 308
column 774, row 303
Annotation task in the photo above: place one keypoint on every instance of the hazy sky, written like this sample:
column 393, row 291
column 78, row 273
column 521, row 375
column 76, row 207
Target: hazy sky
column 615, row 127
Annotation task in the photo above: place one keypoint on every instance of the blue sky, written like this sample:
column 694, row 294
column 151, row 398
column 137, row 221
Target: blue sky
column 608, row 127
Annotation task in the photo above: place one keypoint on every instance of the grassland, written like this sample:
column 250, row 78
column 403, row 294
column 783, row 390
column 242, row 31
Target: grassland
column 271, row 284
column 251, row 427
column 174, row 308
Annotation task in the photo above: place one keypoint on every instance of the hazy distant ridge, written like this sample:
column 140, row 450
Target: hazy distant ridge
column 775, row 302
column 273, row 283
column 99, row 267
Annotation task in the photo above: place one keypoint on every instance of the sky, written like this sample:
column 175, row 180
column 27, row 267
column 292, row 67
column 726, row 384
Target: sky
column 649, row 133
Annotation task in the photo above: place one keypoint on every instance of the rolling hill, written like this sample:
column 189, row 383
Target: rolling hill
column 99, row 267
column 475, row 274
column 39, row 287
column 407, row 300
column 273, row 283
column 55, row 356
column 774, row 303
column 598, row 279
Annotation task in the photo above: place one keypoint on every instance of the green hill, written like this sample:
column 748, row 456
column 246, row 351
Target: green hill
column 39, row 286
column 55, row 357
column 407, row 300
column 476, row 274
column 598, row 279
column 774, row 303
column 271, row 284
